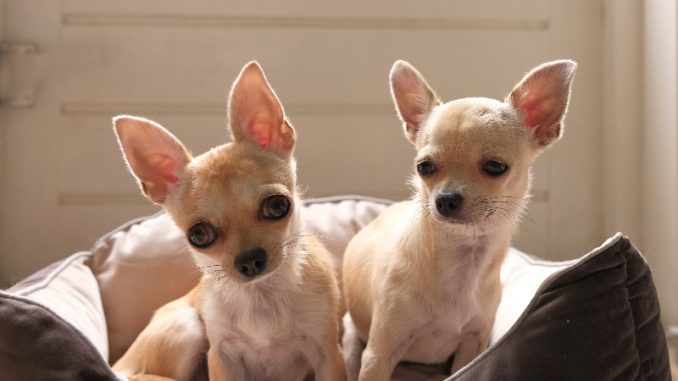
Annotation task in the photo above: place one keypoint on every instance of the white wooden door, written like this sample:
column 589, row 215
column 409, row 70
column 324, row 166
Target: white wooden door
column 64, row 183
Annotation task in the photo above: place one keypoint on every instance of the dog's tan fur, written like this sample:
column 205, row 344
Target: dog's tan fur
column 284, row 323
column 421, row 286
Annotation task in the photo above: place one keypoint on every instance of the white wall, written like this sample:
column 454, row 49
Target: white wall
column 622, row 116
column 172, row 61
column 659, row 180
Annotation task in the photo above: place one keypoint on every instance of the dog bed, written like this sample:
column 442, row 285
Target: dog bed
column 594, row 318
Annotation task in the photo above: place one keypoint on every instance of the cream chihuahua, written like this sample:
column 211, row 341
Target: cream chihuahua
column 421, row 281
column 267, row 306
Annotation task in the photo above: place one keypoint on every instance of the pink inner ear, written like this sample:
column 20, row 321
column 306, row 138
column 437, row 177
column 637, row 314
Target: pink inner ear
column 162, row 170
column 532, row 114
column 265, row 132
column 157, row 172
column 413, row 101
column 258, row 130
column 538, row 112
column 168, row 167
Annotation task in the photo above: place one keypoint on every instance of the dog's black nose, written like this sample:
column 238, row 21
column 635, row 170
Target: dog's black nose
column 447, row 203
column 251, row 263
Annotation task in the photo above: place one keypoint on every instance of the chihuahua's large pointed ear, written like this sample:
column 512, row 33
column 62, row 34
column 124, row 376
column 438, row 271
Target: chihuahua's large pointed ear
column 413, row 97
column 255, row 114
column 541, row 99
column 154, row 156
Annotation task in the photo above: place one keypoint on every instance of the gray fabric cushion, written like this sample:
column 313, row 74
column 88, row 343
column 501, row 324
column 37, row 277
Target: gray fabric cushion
column 36, row 344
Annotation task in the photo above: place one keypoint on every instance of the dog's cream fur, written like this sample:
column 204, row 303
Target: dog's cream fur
column 284, row 323
column 421, row 286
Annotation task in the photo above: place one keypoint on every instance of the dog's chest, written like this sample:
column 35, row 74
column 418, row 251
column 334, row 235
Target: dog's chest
column 452, row 305
column 265, row 357
column 259, row 340
column 434, row 342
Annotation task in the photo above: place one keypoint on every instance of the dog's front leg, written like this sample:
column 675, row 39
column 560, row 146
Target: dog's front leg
column 325, row 355
column 330, row 366
column 377, row 365
column 472, row 344
column 171, row 345
column 215, row 365
column 353, row 348
column 388, row 342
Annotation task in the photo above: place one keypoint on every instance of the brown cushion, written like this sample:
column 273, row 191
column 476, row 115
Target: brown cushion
column 596, row 320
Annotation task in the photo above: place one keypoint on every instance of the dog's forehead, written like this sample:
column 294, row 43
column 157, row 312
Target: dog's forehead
column 236, row 175
column 475, row 121
column 231, row 162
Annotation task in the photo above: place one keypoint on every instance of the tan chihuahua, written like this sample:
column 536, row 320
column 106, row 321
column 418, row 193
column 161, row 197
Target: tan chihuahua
column 421, row 281
column 267, row 306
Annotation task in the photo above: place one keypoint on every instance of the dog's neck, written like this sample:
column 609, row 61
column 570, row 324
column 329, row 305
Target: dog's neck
column 460, row 257
column 258, row 310
column 451, row 238
column 458, row 240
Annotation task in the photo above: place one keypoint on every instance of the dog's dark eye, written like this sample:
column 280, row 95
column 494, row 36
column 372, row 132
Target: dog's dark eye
column 494, row 168
column 202, row 235
column 274, row 207
column 425, row 168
